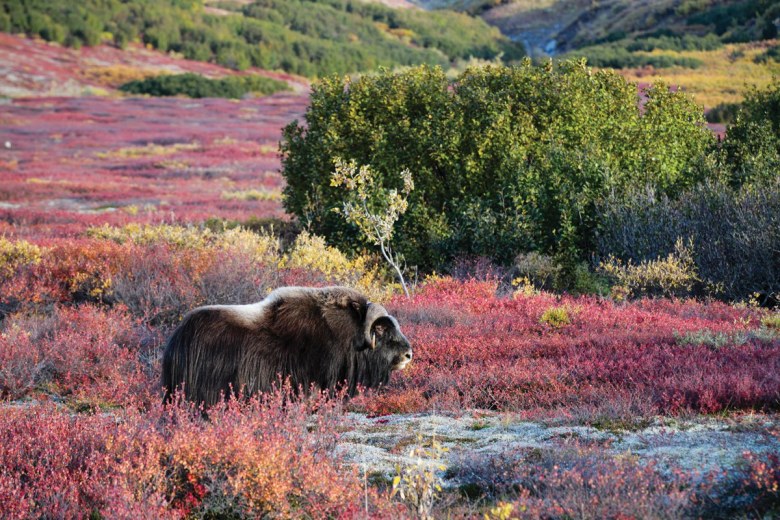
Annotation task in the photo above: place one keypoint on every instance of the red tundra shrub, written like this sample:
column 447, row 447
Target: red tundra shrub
column 476, row 350
column 271, row 458
column 94, row 357
column 57, row 465
column 20, row 363
column 66, row 271
column 762, row 479
column 158, row 281
column 88, row 354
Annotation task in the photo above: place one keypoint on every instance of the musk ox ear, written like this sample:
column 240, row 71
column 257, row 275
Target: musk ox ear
column 373, row 313
column 359, row 308
column 381, row 325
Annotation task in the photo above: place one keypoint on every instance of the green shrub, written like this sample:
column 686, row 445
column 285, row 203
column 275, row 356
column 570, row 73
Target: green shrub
column 617, row 56
column 771, row 54
column 737, row 21
column 723, row 113
column 718, row 340
column 713, row 339
column 506, row 159
column 539, row 270
column 752, row 144
column 197, row 86
column 686, row 42
column 674, row 275
column 735, row 233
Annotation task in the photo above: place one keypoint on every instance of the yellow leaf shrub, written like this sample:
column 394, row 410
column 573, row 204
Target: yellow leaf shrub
column 556, row 317
column 264, row 249
column 312, row 253
column 16, row 254
column 674, row 275
column 147, row 234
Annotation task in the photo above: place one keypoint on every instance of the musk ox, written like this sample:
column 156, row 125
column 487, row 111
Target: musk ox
column 332, row 338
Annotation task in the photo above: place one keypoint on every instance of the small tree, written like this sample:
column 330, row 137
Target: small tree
column 372, row 208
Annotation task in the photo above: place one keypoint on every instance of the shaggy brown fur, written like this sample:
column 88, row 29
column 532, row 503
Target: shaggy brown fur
column 329, row 338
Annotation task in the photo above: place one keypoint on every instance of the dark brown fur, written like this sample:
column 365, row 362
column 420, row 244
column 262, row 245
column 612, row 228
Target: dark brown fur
column 315, row 337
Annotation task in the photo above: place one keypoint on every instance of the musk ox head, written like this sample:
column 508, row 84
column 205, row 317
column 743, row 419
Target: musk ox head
column 383, row 336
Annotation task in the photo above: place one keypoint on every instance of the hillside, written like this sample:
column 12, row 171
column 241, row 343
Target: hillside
column 700, row 46
column 723, row 78
column 555, row 26
column 305, row 37
column 32, row 68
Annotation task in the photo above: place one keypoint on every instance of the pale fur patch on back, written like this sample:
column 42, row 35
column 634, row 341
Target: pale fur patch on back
column 248, row 315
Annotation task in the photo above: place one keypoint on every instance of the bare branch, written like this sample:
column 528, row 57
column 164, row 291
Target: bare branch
column 373, row 209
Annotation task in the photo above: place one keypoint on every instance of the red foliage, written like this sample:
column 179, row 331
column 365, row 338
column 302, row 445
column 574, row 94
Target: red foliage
column 36, row 68
column 475, row 350
column 247, row 460
column 90, row 355
column 79, row 162
column 583, row 483
column 762, row 476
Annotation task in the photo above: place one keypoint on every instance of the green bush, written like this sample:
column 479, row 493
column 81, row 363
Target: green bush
column 751, row 148
column 735, row 234
column 197, row 86
column 771, row 54
column 723, row 113
column 741, row 20
column 672, row 276
column 686, row 42
column 505, row 159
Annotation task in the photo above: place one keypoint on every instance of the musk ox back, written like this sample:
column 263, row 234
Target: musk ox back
column 330, row 337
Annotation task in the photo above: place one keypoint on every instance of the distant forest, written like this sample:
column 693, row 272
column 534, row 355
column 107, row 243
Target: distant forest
column 306, row 37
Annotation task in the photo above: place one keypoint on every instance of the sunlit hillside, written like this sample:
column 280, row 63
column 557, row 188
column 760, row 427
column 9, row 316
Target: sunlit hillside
column 724, row 76
column 305, row 37
column 572, row 24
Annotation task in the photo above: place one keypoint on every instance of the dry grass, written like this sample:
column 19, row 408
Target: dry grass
column 726, row 74
column 149, row 150
column 252, row 194
column 115, row 75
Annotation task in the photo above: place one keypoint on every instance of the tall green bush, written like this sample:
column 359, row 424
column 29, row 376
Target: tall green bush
column 621, row 56
column 752, row 145
column 506, row 159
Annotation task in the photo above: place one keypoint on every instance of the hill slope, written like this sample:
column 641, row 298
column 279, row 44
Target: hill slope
column 32, row 68
column 306, row 37
column 555, row 26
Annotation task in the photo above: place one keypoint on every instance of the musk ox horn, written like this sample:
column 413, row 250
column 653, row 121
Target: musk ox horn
column 374, row 312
